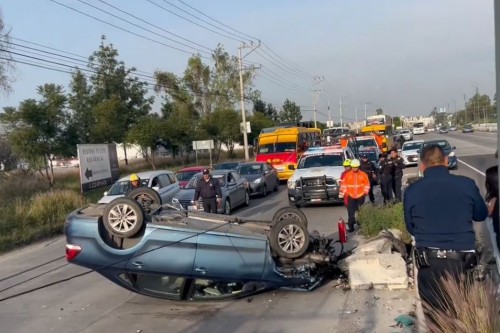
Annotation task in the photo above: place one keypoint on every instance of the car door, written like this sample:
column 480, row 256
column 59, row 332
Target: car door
column 230, row 256
column 167, row 189
column 165, row 251
column 273, row 174
column 232, row 194
column 239, row 187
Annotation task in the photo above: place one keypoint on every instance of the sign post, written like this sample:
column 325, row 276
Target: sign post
column 98, row 165
column 203, row 144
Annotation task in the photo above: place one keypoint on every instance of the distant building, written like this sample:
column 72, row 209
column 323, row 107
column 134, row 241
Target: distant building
column 409, row 121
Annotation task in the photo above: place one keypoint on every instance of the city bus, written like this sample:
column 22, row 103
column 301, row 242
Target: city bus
column 418, row 128
column 283, row 147
column 380, row 126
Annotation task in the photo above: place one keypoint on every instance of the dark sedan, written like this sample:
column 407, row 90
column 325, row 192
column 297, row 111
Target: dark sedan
column 467, row 129
column 448, row 150
column 262, row 177
column 180, row 255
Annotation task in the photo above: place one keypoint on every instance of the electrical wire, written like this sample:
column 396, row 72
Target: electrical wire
column 109, row 265
column 141, row 27
column 126, row 30
column 191, row 21
column 31, row 268
column 34, row 277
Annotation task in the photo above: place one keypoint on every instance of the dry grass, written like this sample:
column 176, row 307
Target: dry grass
column 470, row 306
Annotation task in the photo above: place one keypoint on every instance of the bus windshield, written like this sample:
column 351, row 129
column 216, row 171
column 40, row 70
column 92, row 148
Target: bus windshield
column 282, row 147
column 418, row 125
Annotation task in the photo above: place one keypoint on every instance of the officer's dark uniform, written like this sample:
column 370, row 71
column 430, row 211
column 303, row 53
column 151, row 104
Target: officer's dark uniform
column 209, row 190
column 397, row 180
column 439, row 209
column 369, row 168
column 386, row 177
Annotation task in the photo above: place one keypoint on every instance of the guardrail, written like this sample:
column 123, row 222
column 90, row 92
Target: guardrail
column 486, row 127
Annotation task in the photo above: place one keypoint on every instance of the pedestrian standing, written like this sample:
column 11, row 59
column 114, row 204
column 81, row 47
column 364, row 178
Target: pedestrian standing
column 439, row 210
column 347, row 167
column 371, row 171
column 355, row 187
column 397, row 177
column 209, row 190
column 386, row 166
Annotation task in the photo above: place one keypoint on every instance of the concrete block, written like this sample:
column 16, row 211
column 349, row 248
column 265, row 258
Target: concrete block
column 379, row 245
column 378, row 271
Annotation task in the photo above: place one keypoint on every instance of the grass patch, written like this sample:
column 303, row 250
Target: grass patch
column 374, row 219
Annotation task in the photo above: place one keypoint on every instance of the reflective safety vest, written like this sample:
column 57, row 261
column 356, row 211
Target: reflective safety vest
column 355, row 184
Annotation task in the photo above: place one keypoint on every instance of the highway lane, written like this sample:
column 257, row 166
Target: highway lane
column 92, row 304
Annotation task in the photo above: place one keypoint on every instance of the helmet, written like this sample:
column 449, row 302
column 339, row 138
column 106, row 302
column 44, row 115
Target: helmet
column 347, row 163
column 134, row 177
column 355, row 163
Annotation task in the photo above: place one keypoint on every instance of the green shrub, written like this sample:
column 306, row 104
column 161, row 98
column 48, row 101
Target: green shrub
column 374, row 219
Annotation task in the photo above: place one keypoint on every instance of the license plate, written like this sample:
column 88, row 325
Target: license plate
column 315, row 200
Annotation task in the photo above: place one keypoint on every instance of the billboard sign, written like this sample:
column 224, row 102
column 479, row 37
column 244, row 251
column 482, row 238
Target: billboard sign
column 98, row 165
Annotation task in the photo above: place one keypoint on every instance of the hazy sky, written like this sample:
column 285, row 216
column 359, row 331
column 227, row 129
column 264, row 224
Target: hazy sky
column 404, row 56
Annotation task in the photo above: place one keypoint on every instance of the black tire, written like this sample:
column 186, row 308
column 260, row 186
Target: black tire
column 289, row 239
column 276, row 185
column 247, row 199
column 290, row 213
column 123, row 217
column 227, row 207
column 146, row 197
column 264, row 190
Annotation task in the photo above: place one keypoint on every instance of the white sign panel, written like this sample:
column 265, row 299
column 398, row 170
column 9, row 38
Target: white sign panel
column 98, row 165
column 203, row 144
column 248, row 128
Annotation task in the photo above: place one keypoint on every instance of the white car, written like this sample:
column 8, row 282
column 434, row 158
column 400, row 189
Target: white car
column 407, row 134
column 317, row 177
column 409, row 152
column 162, row 181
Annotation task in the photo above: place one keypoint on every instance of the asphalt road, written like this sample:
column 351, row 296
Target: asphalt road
column 92, row 304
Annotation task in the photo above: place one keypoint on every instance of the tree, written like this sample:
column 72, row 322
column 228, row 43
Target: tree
column 272, row 113
column 223, row 126
column 290, row 113
column 259, row 106
column 80, row 102
column 146, row 134
column 8, row 159
column 379, row 111
column 259, row 121
column 37, row 129
column 397, row 122
column 6, row 60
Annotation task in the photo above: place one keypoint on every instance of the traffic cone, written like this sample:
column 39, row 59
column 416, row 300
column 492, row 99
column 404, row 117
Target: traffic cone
column 342, row 230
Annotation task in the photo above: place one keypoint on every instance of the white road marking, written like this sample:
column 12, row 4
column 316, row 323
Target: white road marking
column 470, row 166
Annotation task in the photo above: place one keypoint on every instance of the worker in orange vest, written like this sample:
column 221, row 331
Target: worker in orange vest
column 355, row 186
column 347, row 168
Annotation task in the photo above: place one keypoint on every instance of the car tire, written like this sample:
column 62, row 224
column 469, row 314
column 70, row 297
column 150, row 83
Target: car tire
column 227, row 207
column 247, row 199
column 123, row 217
column 289, row 239
column 290, row 213
column 276, row 185
column 264, row 190
column 146, row 197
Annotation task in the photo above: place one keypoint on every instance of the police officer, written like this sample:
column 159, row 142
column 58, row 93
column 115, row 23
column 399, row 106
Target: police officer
column 369, row 168
column 386, row 166
column 398, row 166
column 439, row 210
column 209, row 190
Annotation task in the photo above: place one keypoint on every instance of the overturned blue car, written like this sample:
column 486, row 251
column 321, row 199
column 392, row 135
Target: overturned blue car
column 168, row 252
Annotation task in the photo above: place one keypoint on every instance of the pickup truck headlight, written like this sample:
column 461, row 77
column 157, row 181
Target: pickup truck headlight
column 291, row 184
column 452, row 154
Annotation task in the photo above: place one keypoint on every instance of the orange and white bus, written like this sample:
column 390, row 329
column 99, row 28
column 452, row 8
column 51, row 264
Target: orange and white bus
column 283, row 147
column 380, row 127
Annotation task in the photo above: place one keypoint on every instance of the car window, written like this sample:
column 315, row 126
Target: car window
column 193, row 182
column 366, row 143
column 252, row 169
column 443, row 144
column 185, row 175
column 172, row 178
column 236, row 176
column 155, row 182
column 312, row 161
column 170, row 286
column 221, row 179
column 164, row 180
column 216, row 290
column 412, row 146
column 120, row 187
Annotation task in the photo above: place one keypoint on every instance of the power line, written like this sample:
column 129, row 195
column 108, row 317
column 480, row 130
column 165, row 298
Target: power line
column 191, row 21
column 296, row 66
column 277, row 64
column 200, row 19
column 138, row 26
column 198, row 11
column 126, row 30
column 285, row 66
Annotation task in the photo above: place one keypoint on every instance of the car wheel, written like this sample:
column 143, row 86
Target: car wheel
column 276, row 185
column 247, row 199
column 289, row 239
column 264, row 190
column 291, row 214
column 123, row 217
column 146, row 197
column 227, row 207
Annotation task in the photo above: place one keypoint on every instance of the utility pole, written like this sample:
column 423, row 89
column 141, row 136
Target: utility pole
column 340, row 111
column 316, row 93
column 242, row 95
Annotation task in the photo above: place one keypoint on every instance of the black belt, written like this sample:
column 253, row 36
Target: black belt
column 447, row 254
